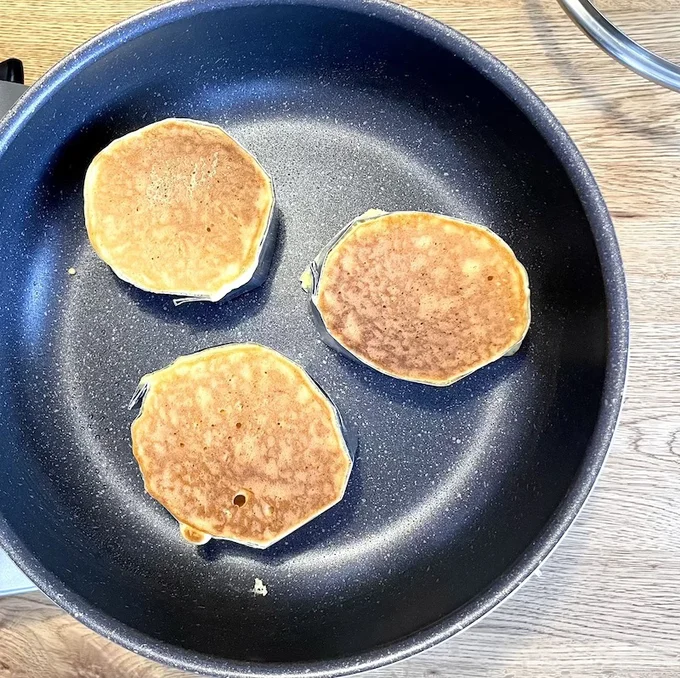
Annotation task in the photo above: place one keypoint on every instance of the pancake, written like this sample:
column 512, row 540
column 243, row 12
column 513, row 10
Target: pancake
column 418, row 296
column 179, row 207
column 238, row 442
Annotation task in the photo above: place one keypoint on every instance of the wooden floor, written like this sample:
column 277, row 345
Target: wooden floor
column 607, row 604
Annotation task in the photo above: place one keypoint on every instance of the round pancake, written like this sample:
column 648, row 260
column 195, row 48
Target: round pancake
column 239, row 443
column 422, row 297
column 179, row 207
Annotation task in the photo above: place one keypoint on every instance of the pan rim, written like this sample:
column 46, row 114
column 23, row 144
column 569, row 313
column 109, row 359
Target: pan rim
column 611, row 264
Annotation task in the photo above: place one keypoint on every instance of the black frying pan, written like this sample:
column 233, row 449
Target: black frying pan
column 458, row 494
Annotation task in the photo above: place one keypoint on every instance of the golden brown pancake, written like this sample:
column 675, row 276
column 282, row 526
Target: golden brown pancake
column 420, row 296
column 239, row 443
column 179, row 207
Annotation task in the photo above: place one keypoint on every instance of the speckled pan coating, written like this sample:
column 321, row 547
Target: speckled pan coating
column 457, row 495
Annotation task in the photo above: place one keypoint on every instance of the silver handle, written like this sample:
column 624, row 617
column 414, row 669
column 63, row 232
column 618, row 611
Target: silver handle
column 618, row 45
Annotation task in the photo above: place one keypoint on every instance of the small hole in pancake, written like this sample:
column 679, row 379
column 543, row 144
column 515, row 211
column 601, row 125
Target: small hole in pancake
column 239, row 500
column 208, row 229
column 238, row 424
column 489, row 277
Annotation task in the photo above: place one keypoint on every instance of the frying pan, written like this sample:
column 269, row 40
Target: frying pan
column 458, row 494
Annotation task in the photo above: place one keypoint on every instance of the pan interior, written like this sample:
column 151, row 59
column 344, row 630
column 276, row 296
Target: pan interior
column 347, row 112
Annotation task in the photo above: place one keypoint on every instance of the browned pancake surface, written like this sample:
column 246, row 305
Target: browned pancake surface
column 237, row 442
column 177, row 207
column 424, row 297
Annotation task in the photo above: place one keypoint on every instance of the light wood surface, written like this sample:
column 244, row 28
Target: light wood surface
column 608, row 601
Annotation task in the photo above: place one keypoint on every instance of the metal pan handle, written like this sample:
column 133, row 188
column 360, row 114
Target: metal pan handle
column 618, row 45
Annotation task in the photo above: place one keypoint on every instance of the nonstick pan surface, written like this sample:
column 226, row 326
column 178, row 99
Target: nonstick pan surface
column 458, row 493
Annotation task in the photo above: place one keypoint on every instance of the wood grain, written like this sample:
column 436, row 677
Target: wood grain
column 608, row 602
